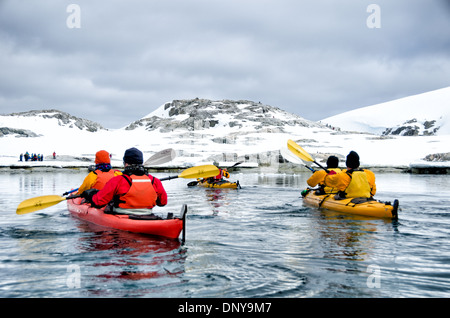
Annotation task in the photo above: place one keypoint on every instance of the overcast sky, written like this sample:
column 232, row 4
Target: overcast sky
column 314, row 58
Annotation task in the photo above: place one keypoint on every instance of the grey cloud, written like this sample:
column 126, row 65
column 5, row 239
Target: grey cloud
column 313, row 58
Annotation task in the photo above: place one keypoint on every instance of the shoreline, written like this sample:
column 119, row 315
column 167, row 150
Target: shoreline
column 414, row 168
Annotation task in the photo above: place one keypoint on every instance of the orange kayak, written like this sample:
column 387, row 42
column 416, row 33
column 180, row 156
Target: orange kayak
column 170, row 227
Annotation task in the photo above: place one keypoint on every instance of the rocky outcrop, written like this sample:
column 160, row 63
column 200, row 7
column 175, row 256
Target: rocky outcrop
column 198, row 114
column 414, row 128
column 438, row 157
column 17, row 132
column 64, row 119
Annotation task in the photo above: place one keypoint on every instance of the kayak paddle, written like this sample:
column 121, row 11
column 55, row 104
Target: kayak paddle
column 234, row 166
column 301, row 153
column 43, row 202
column 161, row 157
column 204, row 171
column 194, row 183
column 158, row 158
column 289, row 156
column 40, row 203
column 71, row 191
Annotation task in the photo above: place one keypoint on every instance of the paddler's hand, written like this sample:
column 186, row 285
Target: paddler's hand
column 88, row 194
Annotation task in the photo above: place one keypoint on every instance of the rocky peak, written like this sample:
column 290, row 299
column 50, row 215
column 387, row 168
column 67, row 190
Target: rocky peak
column 197, row 114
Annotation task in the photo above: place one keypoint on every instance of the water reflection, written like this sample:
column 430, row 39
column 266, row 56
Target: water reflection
column 348, row 237
column 124, row 256
column 31, row 183
column 285, row 180
column 218, row 198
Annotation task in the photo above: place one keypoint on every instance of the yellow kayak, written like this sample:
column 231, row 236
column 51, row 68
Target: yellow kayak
column 223, row 184
column 359, row 206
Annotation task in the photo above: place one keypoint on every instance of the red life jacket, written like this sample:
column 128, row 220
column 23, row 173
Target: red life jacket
column 222, row 173
column 102, row 178
column 141, row 194
column 219, row 176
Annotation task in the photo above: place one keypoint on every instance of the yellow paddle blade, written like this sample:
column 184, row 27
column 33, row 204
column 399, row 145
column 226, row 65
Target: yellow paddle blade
column 38, row 203
column 299, row 151
column 204, row 171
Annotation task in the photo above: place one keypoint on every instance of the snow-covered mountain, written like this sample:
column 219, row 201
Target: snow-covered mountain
column 201, row 114
column 222, row 131
column 419, row 115
column 202, row 131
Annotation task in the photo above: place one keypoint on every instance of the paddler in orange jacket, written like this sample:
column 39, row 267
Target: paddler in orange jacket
column 133, row 192
column 352, row 182
column 318, row 177
column 103, row 173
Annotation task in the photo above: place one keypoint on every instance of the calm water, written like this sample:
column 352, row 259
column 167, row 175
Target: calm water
column 259, row 241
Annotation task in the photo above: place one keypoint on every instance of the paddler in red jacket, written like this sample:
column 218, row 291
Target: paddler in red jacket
column 223, row 173
column 134, row 192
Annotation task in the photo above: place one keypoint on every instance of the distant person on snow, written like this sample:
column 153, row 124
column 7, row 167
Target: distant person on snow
column 133, row 192
column 101, row 175
column 318, row 177
column 352, row 182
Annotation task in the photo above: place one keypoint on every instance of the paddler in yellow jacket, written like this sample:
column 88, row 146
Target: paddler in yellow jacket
column 352, row 182
column 318, row 177
column 103, row 173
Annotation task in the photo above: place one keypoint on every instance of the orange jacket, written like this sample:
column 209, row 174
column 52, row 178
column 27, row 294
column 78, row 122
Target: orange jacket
column 141, row 194
column 118, row 187
column 97, row 180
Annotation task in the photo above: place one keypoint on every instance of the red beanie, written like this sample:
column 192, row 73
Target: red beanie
column 102, row 156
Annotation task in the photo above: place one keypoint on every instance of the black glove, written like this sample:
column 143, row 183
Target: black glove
column 340, row 195
column 88, row 194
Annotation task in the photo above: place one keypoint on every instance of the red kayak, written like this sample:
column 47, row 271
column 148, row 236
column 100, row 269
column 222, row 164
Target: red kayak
column 170, row 227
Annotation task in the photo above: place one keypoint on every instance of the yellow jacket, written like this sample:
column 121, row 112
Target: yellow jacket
column 318, row 178
column 91, row 179
column 355, row 182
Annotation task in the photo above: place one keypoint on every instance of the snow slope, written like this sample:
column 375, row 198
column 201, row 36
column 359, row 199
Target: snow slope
column 426, row 107
column 203, row 131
